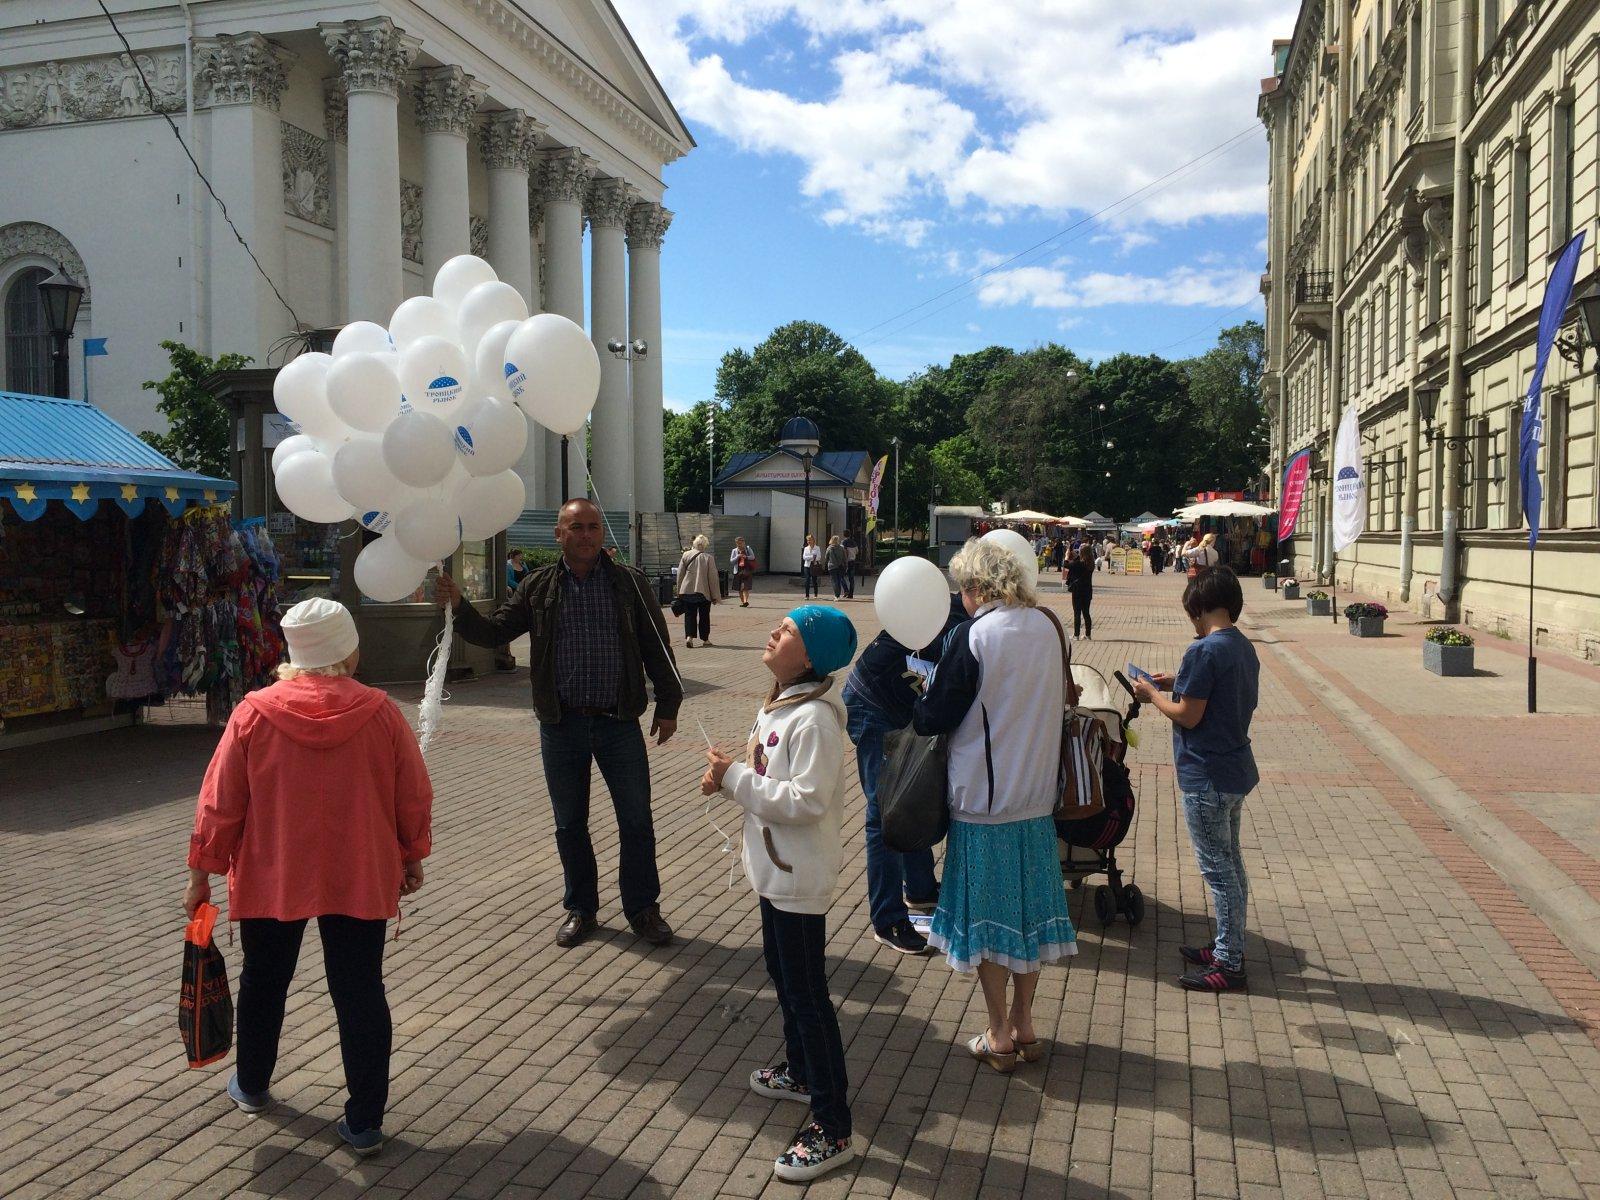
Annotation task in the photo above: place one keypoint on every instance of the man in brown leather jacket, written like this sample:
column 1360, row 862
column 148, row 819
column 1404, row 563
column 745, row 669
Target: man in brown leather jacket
column 595, row 633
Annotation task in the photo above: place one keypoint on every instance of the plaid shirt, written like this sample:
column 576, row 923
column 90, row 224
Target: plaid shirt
column 588, row 645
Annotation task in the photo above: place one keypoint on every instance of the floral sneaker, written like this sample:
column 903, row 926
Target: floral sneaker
column 779, row 1084
column 814, row 1153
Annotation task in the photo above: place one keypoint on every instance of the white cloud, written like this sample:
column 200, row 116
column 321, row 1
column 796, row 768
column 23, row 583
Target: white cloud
column 1054, row 288
column 1033, row 106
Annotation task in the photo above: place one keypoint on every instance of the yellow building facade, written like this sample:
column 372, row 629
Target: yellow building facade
column 1428, row 161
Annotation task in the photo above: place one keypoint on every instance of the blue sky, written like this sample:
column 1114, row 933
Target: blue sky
column 859, row 157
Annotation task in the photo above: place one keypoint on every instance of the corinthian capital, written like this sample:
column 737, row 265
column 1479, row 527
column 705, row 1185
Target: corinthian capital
column 240, row 68
column 508, row 140
column 447, row 100
column 605, row 204
column 647, row 225
column 372, row 54
column 565, row 175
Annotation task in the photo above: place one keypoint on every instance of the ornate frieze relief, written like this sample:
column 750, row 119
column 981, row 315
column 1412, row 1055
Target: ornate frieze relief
column 30, row 237
column 305, row 176
column 90, row 89
column 478, row 235
column 410, row 221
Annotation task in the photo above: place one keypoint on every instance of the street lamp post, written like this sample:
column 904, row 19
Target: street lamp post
column 61, row 294
column 627, row 351
column 805, row 515
column 895, row 442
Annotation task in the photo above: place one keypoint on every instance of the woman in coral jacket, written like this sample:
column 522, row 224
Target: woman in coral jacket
column 316, row 804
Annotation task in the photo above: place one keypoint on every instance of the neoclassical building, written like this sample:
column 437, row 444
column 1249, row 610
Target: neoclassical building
column 1429, row 159
column 356, row 147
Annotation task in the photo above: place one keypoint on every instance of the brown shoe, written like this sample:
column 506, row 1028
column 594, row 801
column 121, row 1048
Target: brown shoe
column 574, row 929
column 650, row 925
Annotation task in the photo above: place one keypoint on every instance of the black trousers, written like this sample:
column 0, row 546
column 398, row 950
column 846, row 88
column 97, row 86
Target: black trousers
column 1082, row 622
column 352, row 950
column 696, row 616
column 794, row 947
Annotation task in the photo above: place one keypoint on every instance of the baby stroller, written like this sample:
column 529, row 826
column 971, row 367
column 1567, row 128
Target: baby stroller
column 1087, row 845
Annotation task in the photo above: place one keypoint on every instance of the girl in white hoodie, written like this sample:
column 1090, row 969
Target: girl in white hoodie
column 791, row 787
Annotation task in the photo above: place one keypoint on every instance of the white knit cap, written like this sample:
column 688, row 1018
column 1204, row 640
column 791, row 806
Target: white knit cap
column 319, row 633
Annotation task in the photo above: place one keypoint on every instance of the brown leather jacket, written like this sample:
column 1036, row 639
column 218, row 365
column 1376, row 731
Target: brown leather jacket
column 535, row 607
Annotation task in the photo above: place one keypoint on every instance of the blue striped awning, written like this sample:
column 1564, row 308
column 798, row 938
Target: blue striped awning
column 70, row 451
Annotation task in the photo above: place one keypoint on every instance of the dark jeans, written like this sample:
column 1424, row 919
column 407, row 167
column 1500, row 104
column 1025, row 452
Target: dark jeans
column 1082, row 622
column 696, row 616
column 794, row 947
column 617, row 747
column 813, row 583
column 352, row 952
column 850, row 581
column 840, row 587
column 891, row 876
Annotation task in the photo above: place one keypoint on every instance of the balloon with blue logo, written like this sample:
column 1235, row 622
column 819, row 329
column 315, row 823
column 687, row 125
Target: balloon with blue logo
column 553, row 372
column 494, row 439
column 433, row 375
column 377, row 520
column 427, row 530
column 489, row 374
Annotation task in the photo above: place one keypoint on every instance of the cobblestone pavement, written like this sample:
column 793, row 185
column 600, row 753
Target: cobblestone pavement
column 1420, row 1022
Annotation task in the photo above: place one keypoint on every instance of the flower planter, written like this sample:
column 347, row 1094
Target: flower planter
column 1291, row 591
column 1320, row 608
column 1447, row 660
column 1366, row 626
column 1270, row 582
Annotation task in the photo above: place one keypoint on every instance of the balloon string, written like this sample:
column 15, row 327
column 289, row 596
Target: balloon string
column 430, row 713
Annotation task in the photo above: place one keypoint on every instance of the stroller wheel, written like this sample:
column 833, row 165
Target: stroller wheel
column 1105, row 906
column 1075, row 885
column 1133, row 903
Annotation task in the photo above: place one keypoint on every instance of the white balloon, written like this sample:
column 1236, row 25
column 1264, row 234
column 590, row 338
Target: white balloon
column 418, row 450
column 427, row 530
column 489, row 361
column 458, row 276
column 300, row 393
column 305, row 487
column 378, row 520
column 494, row 439
column 420, row 317
column 386, row 573
column 363, row 390
column 553, row 372
column 1018, row 545
column 490, row 504
column 362, row 337
column 363, row 478
column 485, row 306
column 912, row 601
column 433, row 375
column 290, row 446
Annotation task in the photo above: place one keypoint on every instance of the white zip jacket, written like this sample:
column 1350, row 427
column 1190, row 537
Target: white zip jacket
column 999, row 693
column 793, row 797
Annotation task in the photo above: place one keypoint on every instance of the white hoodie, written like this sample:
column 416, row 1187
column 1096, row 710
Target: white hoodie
column 793, row 797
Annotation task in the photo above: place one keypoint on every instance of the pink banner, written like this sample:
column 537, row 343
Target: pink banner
column 1295, row 475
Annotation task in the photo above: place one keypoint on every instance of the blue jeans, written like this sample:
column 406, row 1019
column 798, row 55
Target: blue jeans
column 617, row 747
column 1213, row 819
column 840, row 587
column 794, row 944
column 890, row 874
column 813, row 583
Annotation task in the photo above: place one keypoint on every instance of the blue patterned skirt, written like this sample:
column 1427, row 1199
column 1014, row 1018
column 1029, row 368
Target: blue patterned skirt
column 1002, row 897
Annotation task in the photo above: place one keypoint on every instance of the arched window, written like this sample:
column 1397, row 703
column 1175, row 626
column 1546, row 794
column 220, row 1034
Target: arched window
column 27, row 335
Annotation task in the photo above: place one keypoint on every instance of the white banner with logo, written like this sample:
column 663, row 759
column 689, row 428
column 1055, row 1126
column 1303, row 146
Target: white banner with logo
column 1349, row 483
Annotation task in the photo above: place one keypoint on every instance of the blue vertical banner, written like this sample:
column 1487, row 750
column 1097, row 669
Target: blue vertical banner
column 1557, row 293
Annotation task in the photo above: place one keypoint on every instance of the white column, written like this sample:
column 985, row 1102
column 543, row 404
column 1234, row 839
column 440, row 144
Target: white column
column 373, row 55
column 611, row 429
column 446, row 104
column 566, row 177
column 334, row 121
column 244, row 79
column 536, row 459
column 647, row 225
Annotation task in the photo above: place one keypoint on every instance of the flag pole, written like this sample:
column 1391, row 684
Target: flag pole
column 1533, row 659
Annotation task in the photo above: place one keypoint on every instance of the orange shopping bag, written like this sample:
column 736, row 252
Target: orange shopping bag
column 205, row 1006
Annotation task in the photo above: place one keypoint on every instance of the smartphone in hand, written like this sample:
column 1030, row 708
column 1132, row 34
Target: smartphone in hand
column 1141, row 673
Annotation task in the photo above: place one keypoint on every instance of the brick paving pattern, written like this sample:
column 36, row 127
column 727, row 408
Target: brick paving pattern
column 1414, row 1027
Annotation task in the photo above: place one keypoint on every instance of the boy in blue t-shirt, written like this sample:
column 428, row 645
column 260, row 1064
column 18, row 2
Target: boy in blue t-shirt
column 1213, row 698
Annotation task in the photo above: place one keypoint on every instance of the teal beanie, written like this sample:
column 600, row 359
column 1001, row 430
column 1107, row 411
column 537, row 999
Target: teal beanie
column 829, row 637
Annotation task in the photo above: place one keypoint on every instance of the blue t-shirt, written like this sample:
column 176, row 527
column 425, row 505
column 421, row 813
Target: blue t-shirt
column 1221, row 669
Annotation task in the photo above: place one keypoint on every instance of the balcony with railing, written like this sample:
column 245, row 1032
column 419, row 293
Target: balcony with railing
column 1313, row 303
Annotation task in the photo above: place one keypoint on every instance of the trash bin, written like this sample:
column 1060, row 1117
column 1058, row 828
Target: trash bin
column 722, row 581
column 664, row 590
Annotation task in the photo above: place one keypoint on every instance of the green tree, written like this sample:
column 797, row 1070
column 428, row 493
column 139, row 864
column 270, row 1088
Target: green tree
column 685, row 466
column 1229, row 446
column 932, row 408
column 198, row 426
column 1024, row 418
column 1128, row 449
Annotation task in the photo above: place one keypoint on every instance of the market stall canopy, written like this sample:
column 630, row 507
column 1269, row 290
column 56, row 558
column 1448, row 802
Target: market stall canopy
column 68, row 450
column 1224, row 508
column 1031, row 517
column 1095, row 520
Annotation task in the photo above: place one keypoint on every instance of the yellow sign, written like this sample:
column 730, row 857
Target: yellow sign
column 1133, row 562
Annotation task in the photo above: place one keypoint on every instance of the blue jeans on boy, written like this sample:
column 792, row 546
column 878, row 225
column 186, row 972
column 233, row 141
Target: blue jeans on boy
column 617, row 747
column 794, row 944
column 1213, row 820
column 890, row 875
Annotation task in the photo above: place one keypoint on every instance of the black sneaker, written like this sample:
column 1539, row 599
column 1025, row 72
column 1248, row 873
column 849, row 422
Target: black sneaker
column 1213, row 979
column 901, row 937
column 1200, row 956
column 923, row 906
column 813, row 1153
column 775, row 1081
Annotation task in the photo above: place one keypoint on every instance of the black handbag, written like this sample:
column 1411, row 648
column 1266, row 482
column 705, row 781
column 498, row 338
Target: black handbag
column 677, row 606
column 914, row 791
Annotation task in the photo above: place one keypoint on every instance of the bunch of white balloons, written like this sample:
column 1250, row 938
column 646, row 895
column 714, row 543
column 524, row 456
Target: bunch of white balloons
column 413, row 430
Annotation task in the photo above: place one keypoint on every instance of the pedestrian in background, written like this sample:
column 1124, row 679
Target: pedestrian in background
column 791, row 787
column 1212, row 700
column 837, row 561
column 316, row 804
column 743, row 562
column 811, row 566
column 1080, row 583
column 998, row 695
column 851, row 552
column 698, row 589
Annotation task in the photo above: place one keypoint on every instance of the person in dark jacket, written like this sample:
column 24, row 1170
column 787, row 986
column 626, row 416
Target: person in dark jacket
column 878, row 698
column 595, row 632
column 1080, row 583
